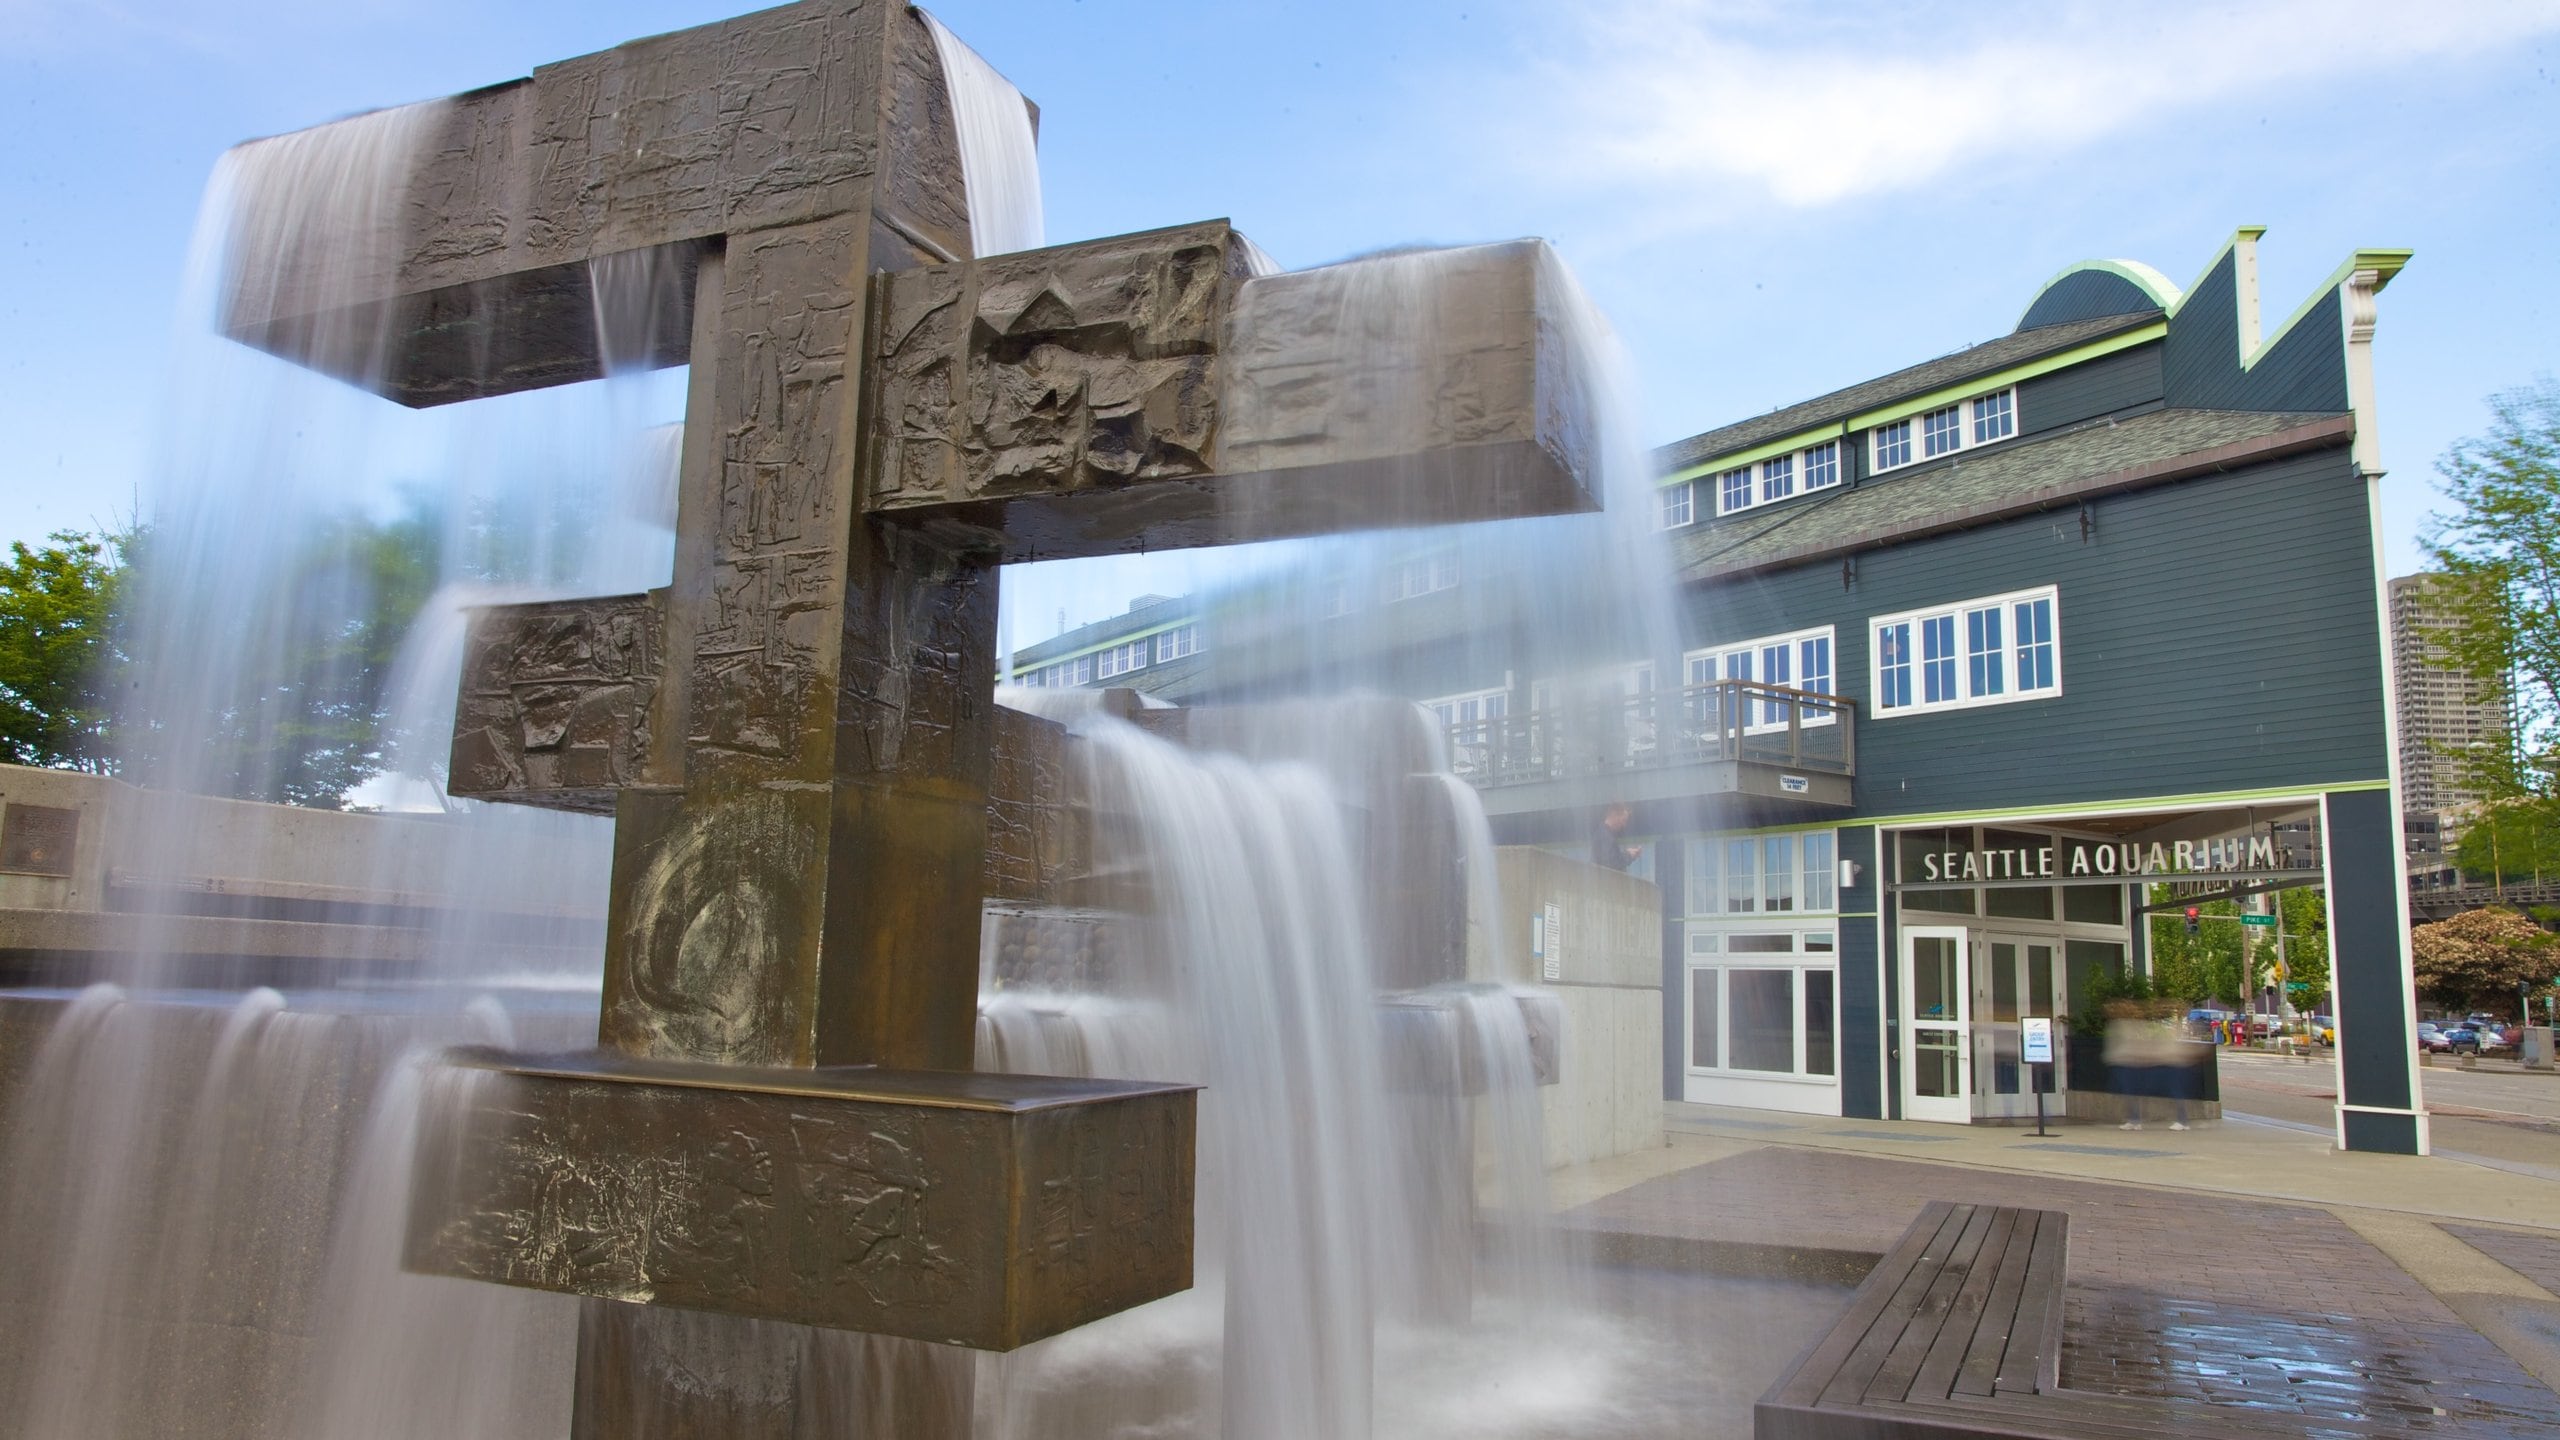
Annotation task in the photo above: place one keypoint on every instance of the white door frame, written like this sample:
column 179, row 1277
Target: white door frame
column 1956, row 1029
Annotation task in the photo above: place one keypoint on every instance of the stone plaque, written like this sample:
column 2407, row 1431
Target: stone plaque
column 38, row 839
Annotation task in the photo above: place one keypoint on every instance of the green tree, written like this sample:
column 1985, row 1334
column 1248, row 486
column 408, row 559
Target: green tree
column 58, row 609
column 2498, row 551
column 2206, row 965
column 2304, row 916
column 302, row 723
column 2484, row 958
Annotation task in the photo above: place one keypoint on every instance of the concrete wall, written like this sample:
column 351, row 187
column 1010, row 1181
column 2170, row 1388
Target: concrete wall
column 1608, row 971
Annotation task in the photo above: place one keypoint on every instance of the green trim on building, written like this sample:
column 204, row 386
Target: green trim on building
column 2308, row 793
column 2164, row 292
column 1900, row 409
column 1016, row 672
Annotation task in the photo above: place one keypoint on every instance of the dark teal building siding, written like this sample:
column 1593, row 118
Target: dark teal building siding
column 2306, row 370
column 2218, row 634
column 2127, row 382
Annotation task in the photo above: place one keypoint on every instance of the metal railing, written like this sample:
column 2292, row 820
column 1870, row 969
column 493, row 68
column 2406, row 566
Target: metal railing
column 1719, row 720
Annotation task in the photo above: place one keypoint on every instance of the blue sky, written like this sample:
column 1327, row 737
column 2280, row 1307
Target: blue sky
column 1769, row 199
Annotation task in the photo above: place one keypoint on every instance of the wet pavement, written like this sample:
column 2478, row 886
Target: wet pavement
column 2220, row 1299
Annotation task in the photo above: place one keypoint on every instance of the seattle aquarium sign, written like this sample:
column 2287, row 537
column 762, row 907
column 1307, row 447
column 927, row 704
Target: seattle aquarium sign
column 2069, row 859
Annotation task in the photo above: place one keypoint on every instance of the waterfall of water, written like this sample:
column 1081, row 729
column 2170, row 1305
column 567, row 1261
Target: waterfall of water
column 999, row 154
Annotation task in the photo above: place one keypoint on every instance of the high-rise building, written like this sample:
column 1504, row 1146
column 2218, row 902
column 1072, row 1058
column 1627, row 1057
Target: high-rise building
column 2440, row 710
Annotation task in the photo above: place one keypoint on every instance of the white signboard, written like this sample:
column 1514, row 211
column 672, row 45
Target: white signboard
column 2039, row 1049
column 1553, row 955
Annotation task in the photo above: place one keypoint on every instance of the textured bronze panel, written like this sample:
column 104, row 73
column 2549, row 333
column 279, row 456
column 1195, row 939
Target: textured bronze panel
column 979, row 1210
column 1141, row 393
column 556, row 701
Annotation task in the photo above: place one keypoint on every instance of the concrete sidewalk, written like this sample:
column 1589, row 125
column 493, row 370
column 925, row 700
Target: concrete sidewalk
column 2230, row 1262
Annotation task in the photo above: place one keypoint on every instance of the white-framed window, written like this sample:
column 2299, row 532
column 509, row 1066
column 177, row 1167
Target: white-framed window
column 1800, row 660
column 1180, row 641
column 1777, row 478
column 1079, row 671
column 1892, row 446
column 1769, row 873
column 1763, row 1003
column 1822, row 465
column 1422, row 575
column 1995, row 416
column 1472, row 722
column 1123, row 658
column 1337, row 598
column 1981, row 420
column 1976, row 652
column 1678, row 505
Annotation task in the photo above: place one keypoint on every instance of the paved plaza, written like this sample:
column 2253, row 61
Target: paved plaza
column 2246, row 1263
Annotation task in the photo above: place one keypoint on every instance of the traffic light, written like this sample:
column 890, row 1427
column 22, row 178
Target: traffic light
column 2192, row 912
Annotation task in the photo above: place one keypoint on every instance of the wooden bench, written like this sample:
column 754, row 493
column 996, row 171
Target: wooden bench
column 1957, row 1335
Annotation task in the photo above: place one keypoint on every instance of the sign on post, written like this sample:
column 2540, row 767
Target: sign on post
column 2262, row 921
column 2039, row 1037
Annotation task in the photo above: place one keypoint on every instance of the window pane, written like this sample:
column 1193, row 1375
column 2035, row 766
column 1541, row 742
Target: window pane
column 2040, row 980
column 1736, row 488
column 1778, row 872
column 1822, row 465
column 1761, row 944
column 1778, row 478
column 1942, row 430
column 1938, row 659
column 1893, row 445
column 1741, row 875
column 1813, row 668
column 2004, row 982
column 2093, row 904
column 1995, row 417
column 1706, row 884
column 1702, row 1018
column 1819, row 873
column 1893, row 666
column 1933, row 978
column 1764, row 1019
column 2034, row 624
column 1933, row 1064
column 1817, row 1022
column 2028, row 903
column 1777, row 667
column 1982, row 650
column 1675, row 505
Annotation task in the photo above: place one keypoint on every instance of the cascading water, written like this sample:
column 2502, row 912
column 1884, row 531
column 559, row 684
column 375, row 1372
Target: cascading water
column 206, row 1192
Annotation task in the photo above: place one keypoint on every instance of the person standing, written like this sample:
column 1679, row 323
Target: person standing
column 1609, row 848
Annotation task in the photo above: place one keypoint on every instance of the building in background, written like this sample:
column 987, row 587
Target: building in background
column 2441, row 716
column 1974, row 661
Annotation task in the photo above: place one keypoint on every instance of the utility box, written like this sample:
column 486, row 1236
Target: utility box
column 2535, row 1052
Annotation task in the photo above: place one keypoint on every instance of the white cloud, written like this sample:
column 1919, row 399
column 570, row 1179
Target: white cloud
column 1813, row 105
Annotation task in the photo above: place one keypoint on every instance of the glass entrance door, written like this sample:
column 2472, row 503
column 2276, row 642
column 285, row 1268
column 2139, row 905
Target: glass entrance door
column 1937, row 1060
column 2013, row 978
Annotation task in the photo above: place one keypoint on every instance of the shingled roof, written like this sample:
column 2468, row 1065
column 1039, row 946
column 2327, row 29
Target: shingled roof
column 1920, row 379
column 1981, row 486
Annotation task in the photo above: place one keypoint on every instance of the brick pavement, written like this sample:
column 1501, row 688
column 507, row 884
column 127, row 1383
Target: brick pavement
column 2225, row 1300
column 2535, row 1257
column 2198, row 1247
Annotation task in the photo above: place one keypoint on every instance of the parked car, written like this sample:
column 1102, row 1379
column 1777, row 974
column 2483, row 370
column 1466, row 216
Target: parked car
column 2324, row 1028
column 2432, row 1039
column 2200, row 1021
column 2265, row 1026
column 2461, row 1039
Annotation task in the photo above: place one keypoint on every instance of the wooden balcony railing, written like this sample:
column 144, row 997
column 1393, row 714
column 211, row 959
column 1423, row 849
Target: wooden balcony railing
column 1719, row 720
